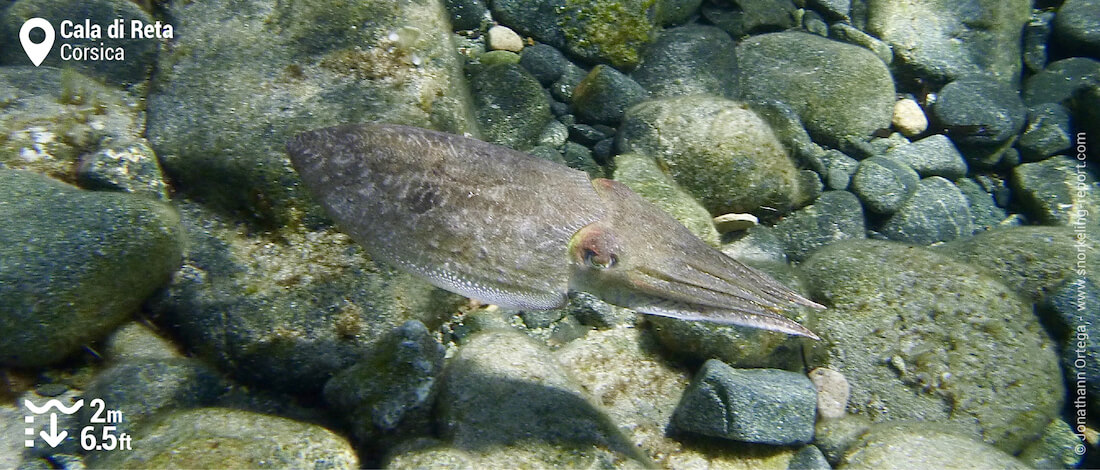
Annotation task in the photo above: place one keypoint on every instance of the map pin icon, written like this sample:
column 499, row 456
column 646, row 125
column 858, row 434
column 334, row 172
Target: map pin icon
column 36, row 52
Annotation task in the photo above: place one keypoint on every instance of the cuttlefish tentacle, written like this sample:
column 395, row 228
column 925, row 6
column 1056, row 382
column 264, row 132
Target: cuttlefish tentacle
column 504, row 227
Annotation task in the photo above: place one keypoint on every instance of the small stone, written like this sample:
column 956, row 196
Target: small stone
column 1055, row 191
column 809, row 458
column 883, row 184
column 130, row 168
column 766, row 406
column 852, row 35
column 1077, row 27
column 979, row 111
column 585, row 134
column 934, row 155
column 562, row 89
column 834, row 436
column 727, row 223
column 832, row 392
column 936, row 212
column 1047, row 132
column 579, row 157
column 512, row 107
column 1054, row 449
column 909, row 118
column 836, row 215
column 554, row 134
column 834, row 9
column 605, row 94
column 983, row 209
column 603, row 150
column 498, row 57
column 1036, row 37
column 502, row 38
column 745, row 17
column 688, row 60
column 1060, row 80
column 546, row 63
column 838, row 169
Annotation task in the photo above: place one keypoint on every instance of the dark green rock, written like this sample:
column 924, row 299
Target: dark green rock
column 883, row 184
column 936, row 212
column 979, row 111
column 1077, row 27
column 467, row 14
column 512, row 108
column 1060, row 80
column 836, row 215
column 984, row 211
column 791, row 67
column 75, row 264
column 765, row 406
column 1055, row 191
column 1036, row 37
column 914, row 332
column 934, row 155
column 1047, row 132
column 139, row 54
column 605, row 94
column 688, row 60
column 544, row 62
column 740, row 18
column 579, row 157
column 389, row 393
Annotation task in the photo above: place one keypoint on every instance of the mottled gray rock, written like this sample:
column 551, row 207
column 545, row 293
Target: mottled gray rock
column 984, row 211
column 837, row 89
column 883, row 184
column 504, row 393
column 979, row 111
column 689, row 60
column 914, row 330
column 1056, row 192
column 1036, row 37
column 1031, row 260
column 1060, row 80
column 605, row 94
column 809, row 458
column 1047, row 132
column 225, row 438
column 75, row 264
column 1055, row 449
column 923, row 445
column 852, row 35
column 757, row 245
column 128, row 167
column 740, row 18
column 936, row 212
column 553, row 135
column 642, row 175
column 942, row 40
column 467, row 14
column 1077, row 27
column 718, row 150
column 291, row 67
column 579, row 157
column 836, row 215
column 512, row 108
column 545, row 63
column 390, row 392
column 834, row 436
column 315, row 303
column 934, row 155
column 766, row 406
column 138, row 54
column 838, row 169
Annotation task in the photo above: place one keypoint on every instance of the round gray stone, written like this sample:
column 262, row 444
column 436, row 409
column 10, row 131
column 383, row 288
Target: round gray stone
column 883, row 184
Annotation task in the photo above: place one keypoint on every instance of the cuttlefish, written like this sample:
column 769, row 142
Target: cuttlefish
column 507, row 228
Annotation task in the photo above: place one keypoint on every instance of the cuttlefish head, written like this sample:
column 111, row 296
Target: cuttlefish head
column 640, row 258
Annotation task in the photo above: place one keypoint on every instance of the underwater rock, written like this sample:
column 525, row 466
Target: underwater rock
column 225, row 438
column 75, row 264
column 1055, row 449
column 138, row 54
column 934, row 155
column 512, row 108
column 809, row 458
column 718, row 150
column 765, row 406
column 287, row 68
column 689, row 60
column 741, row 18
column 1061, row 80
column 921, row 445
column 545, row 63
column 909, row 118
column 605, row 94
column 884, row 184
column 979, row 111
column 314, row 303
column 642, row 175
column 984, row 211
column 1077, row 27
column 1055, row 192
column 1047, row 132
column 942, row 40
column 914, row 331
column 834, row 216
column 936, row 212
column 838, row 89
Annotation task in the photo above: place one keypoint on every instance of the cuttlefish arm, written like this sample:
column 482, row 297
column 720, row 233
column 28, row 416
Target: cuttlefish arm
column 501, row 226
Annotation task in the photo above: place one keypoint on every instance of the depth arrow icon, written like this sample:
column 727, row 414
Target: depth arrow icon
column 53, row 438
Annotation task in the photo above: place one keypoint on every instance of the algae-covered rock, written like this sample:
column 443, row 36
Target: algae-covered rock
column 74, row 264
column 232, row 439
column 287, row 68
column 914, row 332
column 1055, row 192
column 718, row 150
column 837, row 89
column 512, row 108
column 922, row 445
column 286, row 311
column 642, row 175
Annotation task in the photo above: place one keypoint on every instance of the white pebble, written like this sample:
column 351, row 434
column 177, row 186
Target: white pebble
column 909, row 118
column 832, row 392
column 502, row 38
column 734, row 222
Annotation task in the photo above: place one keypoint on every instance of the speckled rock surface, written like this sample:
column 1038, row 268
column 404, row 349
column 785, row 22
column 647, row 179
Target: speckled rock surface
column 718, row 150
column 642, row 175
column 920, row 445
column 914, row 331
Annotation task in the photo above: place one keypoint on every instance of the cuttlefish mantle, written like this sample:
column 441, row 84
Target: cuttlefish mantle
column 503, row 227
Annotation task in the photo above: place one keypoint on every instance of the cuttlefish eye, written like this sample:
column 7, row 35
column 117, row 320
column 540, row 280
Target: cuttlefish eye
column 597, row 260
